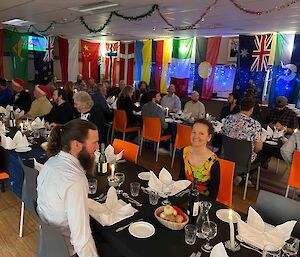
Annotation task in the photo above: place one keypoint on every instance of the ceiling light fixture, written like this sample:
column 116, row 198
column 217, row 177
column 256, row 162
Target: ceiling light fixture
column 16, row 22
column 101, row 5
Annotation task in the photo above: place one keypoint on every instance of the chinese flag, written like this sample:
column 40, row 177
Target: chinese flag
column 90, row 52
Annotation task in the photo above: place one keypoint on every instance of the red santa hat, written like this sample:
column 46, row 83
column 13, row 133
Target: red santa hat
column 19, row 83
column 43, row 90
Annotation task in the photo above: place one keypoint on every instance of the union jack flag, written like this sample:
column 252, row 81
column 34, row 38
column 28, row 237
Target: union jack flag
column 49, row 49
column 261, row 53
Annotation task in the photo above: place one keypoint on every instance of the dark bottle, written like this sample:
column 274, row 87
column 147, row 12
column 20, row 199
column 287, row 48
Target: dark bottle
column 12, row 118
column 193, row 208
column 102, row 164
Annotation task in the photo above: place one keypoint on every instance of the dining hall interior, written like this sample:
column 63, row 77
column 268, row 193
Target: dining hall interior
column 139, row 128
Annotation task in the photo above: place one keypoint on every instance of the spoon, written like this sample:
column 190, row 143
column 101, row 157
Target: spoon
column 131, row 199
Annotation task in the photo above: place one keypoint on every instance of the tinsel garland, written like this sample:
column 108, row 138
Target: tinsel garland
column 276, row 8
column 154, row 8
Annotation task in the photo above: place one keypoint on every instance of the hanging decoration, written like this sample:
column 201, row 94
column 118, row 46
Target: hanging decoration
column 192, row 26
column 276, row 8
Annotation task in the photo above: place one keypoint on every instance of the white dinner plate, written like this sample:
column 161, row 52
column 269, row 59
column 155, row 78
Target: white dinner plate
column 271, row 142
column 23, row 149
column 144, row 175
column 141, row 229
column 223, row 214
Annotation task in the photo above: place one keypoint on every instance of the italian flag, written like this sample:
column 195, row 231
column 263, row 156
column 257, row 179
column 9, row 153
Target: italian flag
column 181, row 61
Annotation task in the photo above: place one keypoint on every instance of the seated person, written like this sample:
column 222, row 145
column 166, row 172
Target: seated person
column 41, row 106
column 232, row 107
column 152, row 109
column 88, row 111
column 282, row 117
column 22, row 98
column 171, row 100
column 80, row 84
column 139, row 94
column 91, row 85
column 62, row 185
column 62, row 111
column 6, row 94
column 292, row 145
column 198, row 162
column 125, row 103
column 241, row 126
column 99, row 98
column 195, row 107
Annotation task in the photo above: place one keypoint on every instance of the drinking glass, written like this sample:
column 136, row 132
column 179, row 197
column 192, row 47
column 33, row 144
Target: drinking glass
column 209, row 230
column 93, row 182
column 153, row 198
column 135, row 188
column 36, row 133
column 190, row 234
column 291, row 247
column 271, row 251
column 120, row 180
column 167, row 189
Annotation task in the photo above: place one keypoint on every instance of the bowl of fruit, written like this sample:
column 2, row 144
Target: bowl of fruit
column 171, row 217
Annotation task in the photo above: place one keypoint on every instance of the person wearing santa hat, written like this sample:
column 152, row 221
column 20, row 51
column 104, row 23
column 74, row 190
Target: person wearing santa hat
column 41, row 106
column 22, row 98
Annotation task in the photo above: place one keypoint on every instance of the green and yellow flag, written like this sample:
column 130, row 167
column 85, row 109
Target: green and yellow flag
column 18, row 48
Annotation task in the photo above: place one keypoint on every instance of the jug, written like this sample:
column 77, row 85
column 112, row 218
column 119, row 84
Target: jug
column 203, row 216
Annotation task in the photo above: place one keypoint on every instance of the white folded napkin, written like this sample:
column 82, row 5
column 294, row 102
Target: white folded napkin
column 186, row 115
column 2, row 128
column 164, row 178
column 114, row 105
column 19, row 113
column 3, row 110
column 38, row 123
column 137, row 113
column 217, row 126
column 218, row 251
column 260, row 234
column 112, row 211
column 38, row 166
column 269, row 132
column 18, row 141
column 169, row 120
column 110, row 155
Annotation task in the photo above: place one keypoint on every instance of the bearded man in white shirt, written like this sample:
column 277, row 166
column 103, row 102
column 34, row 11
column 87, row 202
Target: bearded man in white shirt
column 63, row 187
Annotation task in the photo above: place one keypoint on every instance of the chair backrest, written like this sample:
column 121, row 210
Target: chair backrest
column 294, row 177
column 226, row 182
column 130, row 150
column 120, row 120
column 237, row 151
column 183, row 136
column 151, row 129
column 51, row 242
column 276, row 209
column 29, row 193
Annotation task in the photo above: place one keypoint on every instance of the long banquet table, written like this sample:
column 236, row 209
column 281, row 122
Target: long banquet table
column 164, row 242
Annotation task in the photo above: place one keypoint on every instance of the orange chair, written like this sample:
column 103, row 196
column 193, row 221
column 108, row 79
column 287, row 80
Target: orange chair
column 226, row 182
column 183, row 136
column 294, row 177
column 3, row 176
column 120, row 124
column 130, row 150
column 152, row 131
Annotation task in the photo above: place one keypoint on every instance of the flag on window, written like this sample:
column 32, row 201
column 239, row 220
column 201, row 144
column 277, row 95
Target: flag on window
column 111, row 62
column 90, row 53
column 127, row 62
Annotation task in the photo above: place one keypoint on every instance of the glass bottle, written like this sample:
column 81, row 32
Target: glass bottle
column 102, row 164
column 193, row 208
column 12, row 118
column 203, row 216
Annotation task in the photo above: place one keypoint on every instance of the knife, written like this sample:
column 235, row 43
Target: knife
column 126, row 226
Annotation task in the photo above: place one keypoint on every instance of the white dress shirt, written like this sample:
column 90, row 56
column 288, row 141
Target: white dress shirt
column 62, row 189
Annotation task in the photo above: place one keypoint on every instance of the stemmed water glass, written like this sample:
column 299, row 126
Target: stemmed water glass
column 209, row 231
column 291, row 247
column 120, row 180
column 167, row 189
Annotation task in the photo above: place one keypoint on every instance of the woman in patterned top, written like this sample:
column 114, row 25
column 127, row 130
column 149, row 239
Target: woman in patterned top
column 198, row 162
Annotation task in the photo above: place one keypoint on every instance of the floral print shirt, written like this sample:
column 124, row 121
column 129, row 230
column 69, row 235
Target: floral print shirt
column 242, row 127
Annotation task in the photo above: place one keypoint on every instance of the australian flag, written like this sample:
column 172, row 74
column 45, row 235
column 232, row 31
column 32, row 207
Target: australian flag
column 253, row 59
column 43, row 63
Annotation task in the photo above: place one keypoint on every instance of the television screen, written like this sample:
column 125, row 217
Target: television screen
column 37, row 43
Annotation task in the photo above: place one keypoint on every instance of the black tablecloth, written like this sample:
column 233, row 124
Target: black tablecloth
column 164, row 242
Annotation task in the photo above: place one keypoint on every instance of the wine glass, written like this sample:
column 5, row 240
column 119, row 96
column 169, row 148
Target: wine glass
column 167, row 189
column 209, row 231
column 120, row 180
column 291, row 247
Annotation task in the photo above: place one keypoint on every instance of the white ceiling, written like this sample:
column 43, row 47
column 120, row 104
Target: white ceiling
column 223, row 19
